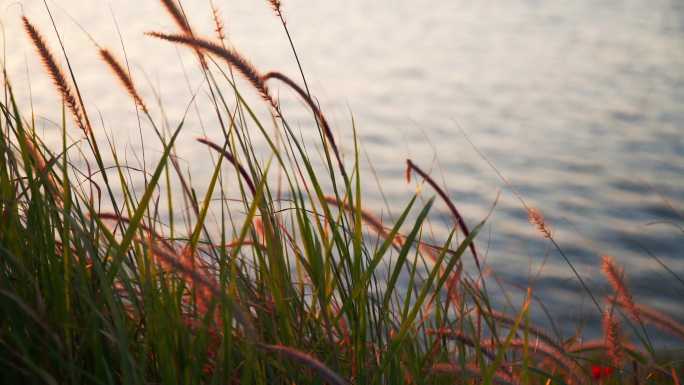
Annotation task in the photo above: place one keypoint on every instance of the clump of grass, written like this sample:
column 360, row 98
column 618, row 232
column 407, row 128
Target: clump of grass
column 300, row 290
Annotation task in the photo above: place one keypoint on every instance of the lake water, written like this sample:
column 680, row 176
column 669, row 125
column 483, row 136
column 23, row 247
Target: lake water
column 580, row 104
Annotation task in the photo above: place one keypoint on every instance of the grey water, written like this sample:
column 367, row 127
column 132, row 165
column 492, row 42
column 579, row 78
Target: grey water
column 578, row 104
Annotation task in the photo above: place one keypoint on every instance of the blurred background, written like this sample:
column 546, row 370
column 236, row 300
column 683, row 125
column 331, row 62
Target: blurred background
column 579, row 104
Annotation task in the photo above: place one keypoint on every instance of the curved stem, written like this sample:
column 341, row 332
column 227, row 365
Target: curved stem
column 459, row 219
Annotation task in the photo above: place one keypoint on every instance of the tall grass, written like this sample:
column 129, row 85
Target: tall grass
column 298, row 290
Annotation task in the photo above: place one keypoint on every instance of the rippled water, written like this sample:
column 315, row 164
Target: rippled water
column 580, row 104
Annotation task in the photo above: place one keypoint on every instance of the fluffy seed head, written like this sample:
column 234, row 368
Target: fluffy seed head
column 536, row 218
column 612, row 333
column 56, row 73
column 182, row 23
column 229, row 55
column 275, row 4
column 218, row 23
column 615, row 277
column 177, row 16
column 123, row 77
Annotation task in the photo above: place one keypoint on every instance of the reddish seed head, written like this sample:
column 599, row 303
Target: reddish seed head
column 275, row 4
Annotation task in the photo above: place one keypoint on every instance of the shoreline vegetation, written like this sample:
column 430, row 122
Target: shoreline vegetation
column 307, row 289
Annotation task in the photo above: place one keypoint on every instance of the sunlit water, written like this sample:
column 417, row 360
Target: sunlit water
column 579, row 104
